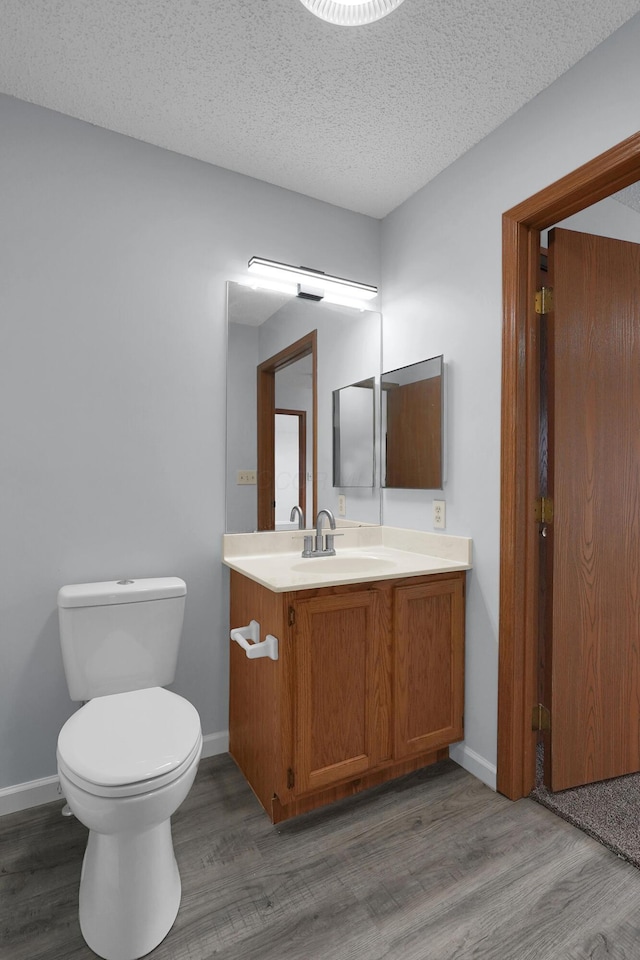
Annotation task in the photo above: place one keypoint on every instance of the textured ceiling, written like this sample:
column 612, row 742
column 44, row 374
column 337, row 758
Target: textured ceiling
column 630, row 197
column 359, row 116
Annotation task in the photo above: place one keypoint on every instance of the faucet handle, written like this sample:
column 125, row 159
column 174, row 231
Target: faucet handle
column 329, row 547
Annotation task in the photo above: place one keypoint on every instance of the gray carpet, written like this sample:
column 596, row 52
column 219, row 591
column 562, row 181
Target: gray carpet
column 608, row 811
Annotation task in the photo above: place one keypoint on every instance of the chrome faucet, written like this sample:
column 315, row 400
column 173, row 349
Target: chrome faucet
column 319, row 549
column 297, row 512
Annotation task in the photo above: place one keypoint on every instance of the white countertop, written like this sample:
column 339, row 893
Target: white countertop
column 362, row 554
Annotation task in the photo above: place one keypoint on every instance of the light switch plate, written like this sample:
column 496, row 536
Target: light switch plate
column 246, row 476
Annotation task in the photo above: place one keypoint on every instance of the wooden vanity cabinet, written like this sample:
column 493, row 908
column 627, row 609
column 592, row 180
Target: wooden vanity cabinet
column 368, row 685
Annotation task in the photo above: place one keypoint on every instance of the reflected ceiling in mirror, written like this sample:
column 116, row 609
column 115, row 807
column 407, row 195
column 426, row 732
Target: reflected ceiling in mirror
column 261, row 325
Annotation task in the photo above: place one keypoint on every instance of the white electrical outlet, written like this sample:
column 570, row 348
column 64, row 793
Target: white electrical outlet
column 342, row 506
column 439, row 515
column 246, row 476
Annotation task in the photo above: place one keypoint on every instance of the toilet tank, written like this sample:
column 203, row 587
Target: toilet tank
column 120, row 636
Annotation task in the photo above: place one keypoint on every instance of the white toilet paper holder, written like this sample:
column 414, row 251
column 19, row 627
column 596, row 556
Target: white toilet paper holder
column 267, row 648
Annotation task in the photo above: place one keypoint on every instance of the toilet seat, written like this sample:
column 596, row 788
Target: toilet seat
column 130, row 743
column 130, row 789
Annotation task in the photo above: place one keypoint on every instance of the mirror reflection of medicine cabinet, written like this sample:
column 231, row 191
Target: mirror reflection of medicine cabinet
column 354, row 435
column 412, row 414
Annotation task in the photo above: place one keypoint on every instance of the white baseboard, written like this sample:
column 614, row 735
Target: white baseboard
column 21, row 796
column 31, row 794
column 215, row 743
column 474, row 763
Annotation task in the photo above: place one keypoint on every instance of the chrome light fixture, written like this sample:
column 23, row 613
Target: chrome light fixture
column 310, row 284
column 351, row 13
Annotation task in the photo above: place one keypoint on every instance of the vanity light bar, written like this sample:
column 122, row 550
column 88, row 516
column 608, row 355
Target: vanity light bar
column 317, row 280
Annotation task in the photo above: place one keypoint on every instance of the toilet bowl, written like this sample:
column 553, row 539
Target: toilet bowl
column 126, row 761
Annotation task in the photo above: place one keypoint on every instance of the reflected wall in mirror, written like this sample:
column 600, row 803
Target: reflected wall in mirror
column 413, row 426
column 354, row 434
column 261, row 325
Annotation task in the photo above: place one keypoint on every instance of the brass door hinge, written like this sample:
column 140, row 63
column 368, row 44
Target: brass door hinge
column 540, row 718
column 544, row 300
column 544, row 510
column 291, row 780
column 292, row 616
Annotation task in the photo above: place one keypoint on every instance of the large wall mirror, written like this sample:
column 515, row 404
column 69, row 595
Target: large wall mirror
column 286, row 358
column 413, row 426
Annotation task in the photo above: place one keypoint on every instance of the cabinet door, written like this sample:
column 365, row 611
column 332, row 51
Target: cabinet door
column 428, row 666
column 341, row 688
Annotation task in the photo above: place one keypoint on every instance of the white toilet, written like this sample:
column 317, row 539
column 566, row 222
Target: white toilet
column 128, row 757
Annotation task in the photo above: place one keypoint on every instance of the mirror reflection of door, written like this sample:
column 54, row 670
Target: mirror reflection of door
column 412, row 425
column 286, row 381
column 291, row 465
column 410, row 463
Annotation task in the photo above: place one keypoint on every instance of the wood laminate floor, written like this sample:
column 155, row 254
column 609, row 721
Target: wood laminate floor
column 434, row 866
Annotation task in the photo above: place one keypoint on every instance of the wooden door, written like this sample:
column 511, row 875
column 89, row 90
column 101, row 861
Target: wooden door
column 341, row 687
column 428, row 665
column 594, row 479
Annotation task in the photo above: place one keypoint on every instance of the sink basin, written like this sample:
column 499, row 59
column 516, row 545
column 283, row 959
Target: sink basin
column 343, row 565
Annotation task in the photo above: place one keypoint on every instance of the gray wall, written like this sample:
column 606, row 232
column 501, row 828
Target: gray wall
column 441, row 284
column 112, row 388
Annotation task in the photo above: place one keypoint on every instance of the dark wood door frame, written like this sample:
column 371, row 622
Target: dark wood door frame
column 304, row 347
column 518, row 652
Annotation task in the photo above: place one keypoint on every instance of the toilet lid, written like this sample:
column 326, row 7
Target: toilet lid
column 129, row 737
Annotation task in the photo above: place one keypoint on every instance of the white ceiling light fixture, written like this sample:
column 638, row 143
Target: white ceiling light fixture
column 311, row 284
column 351, row 13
